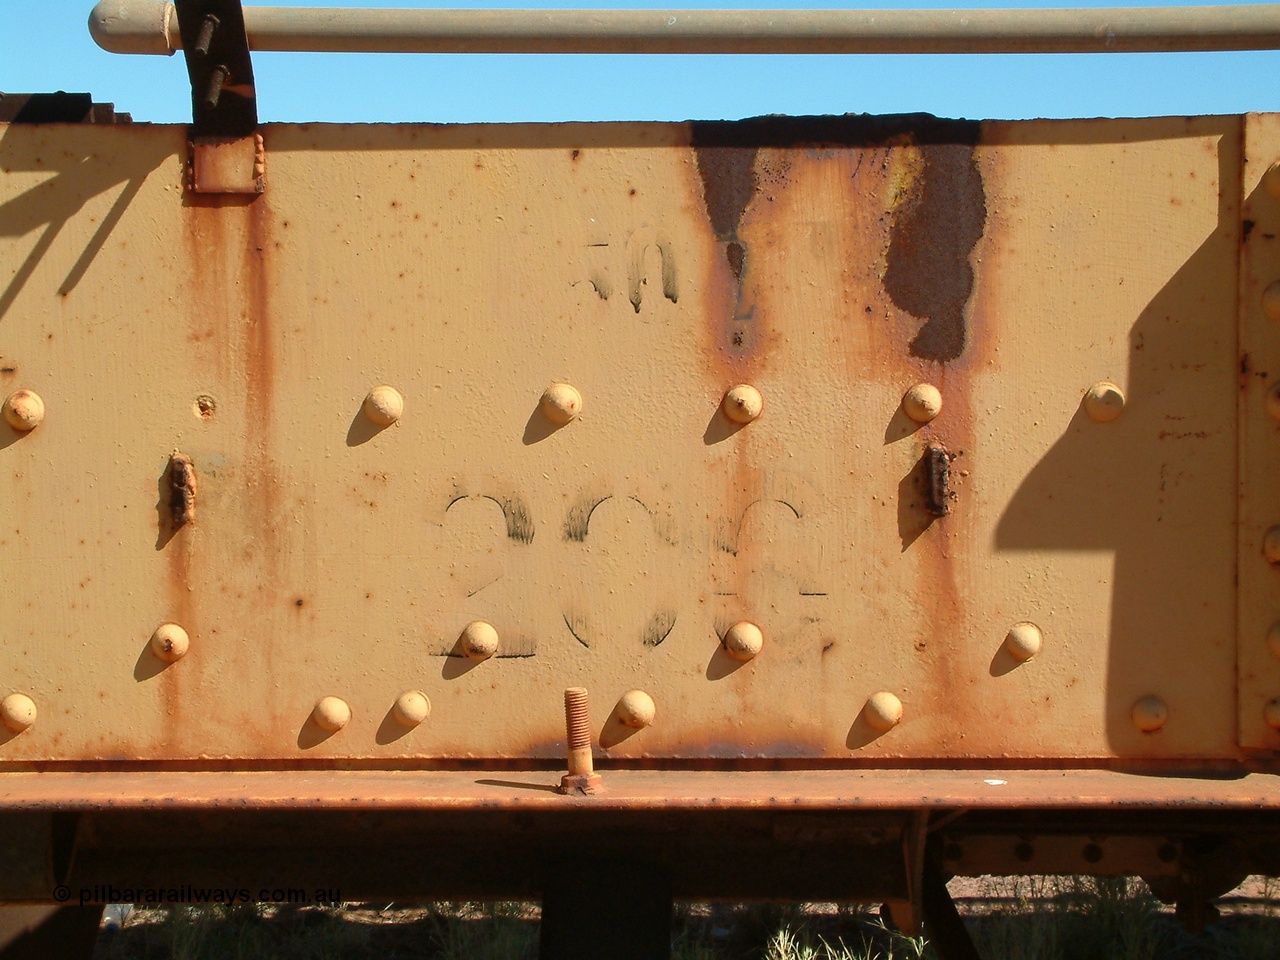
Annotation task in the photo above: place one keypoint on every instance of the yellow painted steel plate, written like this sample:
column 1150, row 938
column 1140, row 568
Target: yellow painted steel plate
column 831, row 264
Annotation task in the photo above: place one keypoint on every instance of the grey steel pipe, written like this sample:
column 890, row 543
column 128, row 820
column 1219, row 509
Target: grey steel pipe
column 147, row 26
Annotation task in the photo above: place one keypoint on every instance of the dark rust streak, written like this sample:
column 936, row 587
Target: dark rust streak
column 927, row 270
column 728, row 183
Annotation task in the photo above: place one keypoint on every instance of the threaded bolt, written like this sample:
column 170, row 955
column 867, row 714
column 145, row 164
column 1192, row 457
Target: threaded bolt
column 581, row 777
column 577, row 721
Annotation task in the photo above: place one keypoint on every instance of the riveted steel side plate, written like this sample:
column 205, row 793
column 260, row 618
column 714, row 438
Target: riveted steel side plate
column 831, row 263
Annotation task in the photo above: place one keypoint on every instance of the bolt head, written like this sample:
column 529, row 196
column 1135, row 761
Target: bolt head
column 1271, row 545
column 922, row 402
column 1023, row 641
column 170, row 642
column 743, row 641
column 479, row 640
column 24, row 410
column 331, row 714
column 636, row 709
column 411, row 708
column 17, row 711
column 742, row 403
column 883, row 711
column 384, row 405
column 581, row 783
column 1104, row 401
column 1271, row 302
column 561, row 403
column 1150, row 714
column 1271, row 713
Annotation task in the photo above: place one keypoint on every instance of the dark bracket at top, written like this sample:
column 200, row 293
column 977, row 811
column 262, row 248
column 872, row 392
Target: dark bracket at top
column 216, row 48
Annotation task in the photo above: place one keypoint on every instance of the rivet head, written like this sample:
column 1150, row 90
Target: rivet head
column 743, row 641
column 384, row 405
column 561, row 403
column 170, row 642
column 1150, row 714
column 479, row 640
column 1271, row 181
column 24, row 410
column 1104, row 401
column 1023, row 641
column 18, row 711
column 331, row 714
column 1271, row 545
column 411, row 708
column 922, row 402
column 742, row 403
column 636, row 709
column 1271, row 713
column 1271, row 301
column 883, row 711
column 1273, row 640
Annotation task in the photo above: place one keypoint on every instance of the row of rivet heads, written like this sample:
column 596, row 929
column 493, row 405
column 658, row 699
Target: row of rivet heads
column 743, row 641
column 1271, row 539
column 562, row 402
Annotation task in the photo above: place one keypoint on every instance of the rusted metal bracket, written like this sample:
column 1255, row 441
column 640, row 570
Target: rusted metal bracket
column 226, row 151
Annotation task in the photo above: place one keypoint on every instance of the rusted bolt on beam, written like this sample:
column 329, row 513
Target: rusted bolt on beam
column 922, row 403
column 331, row 714
column 883, row 711
column 742, row 403
column 581, row 777
column 561, row 403
column 1271, row 546
column 1023, row 641
column 1271, row 713
column 636, row 709
column 24, row 410
column 17, row 711
column 479, row 640
column 1104, row 402
column 170, row 642
column 384, row 405
column 1271, row 301
column 411, row 708
column 743, row 641
column 1150, row 714
column 205, row 37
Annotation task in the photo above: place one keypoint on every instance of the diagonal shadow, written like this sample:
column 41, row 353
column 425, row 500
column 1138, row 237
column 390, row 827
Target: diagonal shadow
column 1131, row 486
column 79, row 176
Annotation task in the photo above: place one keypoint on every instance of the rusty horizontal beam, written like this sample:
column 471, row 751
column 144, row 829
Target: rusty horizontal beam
column 146, row 26
column 638, row 790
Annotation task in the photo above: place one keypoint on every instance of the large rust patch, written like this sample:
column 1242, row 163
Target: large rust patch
column 935, row 228
column 927, row 271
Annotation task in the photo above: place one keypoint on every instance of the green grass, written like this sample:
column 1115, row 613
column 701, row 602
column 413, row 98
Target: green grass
column 1027, row 918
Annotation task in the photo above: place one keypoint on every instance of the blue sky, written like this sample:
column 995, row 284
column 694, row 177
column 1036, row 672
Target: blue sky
column 45, row 45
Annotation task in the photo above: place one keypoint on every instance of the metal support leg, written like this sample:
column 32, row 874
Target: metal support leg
column 606, row 911
column 942, row 923
column 39, row 932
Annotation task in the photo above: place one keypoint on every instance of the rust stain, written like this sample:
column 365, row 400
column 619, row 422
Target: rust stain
column 935, row 228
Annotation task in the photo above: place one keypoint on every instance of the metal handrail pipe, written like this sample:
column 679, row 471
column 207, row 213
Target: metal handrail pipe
column 149, row 26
